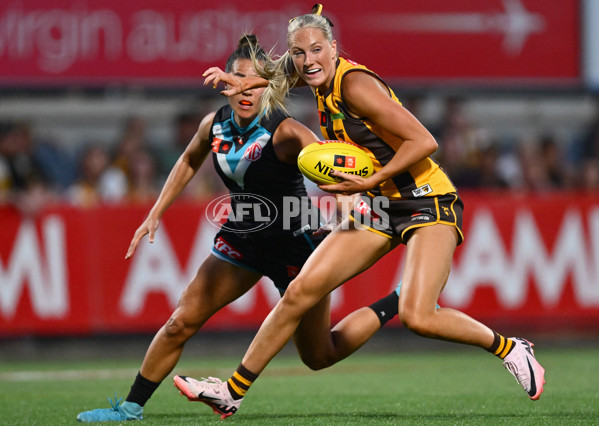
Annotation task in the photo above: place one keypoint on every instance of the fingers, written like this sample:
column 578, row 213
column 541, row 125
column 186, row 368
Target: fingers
column 213, row 76
column 329, row 187
column 228, row 92
column 132, row 247
column 339, row 174
column 135, row 241
column 152, row 234
column 344, row 188
column 348, row 184
column 211, row 70
column 212, row 79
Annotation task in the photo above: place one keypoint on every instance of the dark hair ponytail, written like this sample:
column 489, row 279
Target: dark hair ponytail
column 247, row 48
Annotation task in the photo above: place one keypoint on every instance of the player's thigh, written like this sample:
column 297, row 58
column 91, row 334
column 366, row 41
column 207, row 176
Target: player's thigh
column 216, row 284
column 427, row 265
column 343, row 254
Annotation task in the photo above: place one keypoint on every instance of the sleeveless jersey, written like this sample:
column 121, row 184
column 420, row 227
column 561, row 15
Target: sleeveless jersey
column 425, row 178
column 246, row 161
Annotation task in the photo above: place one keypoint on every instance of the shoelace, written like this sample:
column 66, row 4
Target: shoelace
column 514, row 370
column 211, row 379
column 115, row 405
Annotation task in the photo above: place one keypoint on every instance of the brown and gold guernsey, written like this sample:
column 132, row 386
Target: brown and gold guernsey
column 425, row 178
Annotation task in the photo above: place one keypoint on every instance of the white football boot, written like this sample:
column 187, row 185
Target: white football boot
column 211, row 391
column 521, row 362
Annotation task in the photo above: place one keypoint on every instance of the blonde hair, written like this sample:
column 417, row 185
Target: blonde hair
column 279, row 71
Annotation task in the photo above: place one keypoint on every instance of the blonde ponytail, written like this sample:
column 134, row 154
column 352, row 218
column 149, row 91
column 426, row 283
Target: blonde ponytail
column 279, row 71
column 281, row 77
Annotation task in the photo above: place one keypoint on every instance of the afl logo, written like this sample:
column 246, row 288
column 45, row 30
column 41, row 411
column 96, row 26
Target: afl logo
column 253, row 152
column 241, row 213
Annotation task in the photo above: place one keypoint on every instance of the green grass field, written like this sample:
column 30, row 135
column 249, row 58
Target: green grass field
column 462, row 387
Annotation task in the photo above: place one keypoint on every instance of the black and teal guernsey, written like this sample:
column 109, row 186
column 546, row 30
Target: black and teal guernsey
column 246, row 162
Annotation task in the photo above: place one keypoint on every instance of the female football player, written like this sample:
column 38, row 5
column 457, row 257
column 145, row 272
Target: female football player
column 424, row 210
column 255, row 155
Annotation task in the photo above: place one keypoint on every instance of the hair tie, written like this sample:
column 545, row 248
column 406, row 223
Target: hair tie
column 316, row 10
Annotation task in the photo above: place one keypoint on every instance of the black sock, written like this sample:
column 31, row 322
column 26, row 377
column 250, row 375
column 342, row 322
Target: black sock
column 386, row 308
column 501, row 346
column 141, row 390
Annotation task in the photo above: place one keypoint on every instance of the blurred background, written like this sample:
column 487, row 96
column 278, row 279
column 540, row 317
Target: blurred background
column 98, row 100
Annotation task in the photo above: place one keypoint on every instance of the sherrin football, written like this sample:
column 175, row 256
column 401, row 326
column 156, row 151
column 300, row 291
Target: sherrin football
column 316, row 160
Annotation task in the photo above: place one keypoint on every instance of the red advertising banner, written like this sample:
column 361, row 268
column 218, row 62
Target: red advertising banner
column 526, row 261
column 64, row 42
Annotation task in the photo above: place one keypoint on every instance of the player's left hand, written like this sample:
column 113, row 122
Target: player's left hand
column 350, row 184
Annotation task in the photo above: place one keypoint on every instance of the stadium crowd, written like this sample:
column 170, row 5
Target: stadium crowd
column 35, row 172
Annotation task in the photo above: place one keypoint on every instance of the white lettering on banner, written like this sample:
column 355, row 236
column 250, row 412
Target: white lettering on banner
column 58, row 38
column 155, row 269
column 154, row 36
column 47, row 280
column 485, row 261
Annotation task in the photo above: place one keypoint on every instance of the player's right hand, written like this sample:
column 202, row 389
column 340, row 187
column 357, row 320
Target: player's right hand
column 148, row 227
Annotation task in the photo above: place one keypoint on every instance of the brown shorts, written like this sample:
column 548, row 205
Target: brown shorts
column 400, row 218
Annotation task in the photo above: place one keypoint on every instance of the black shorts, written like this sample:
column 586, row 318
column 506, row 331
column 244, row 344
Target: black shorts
column 277, row 256
column 400, row 218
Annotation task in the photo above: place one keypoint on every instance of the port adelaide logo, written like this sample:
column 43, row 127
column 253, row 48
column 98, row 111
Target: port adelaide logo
column 241, row 212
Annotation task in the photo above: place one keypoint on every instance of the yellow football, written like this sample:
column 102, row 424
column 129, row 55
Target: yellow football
column 317, row 159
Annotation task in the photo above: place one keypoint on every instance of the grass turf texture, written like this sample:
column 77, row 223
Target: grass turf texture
column 463, row 387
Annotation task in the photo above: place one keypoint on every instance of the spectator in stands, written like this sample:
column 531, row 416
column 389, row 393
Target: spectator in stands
column 184, row 128
column 460, row 144
column 554, row 161
column 135, row 157
column 22, row 179
column 590, row 175
column 487, row 171
column 589, row 161
column 131, row 140
column 590, row 140
column 143, row 182
column 544, row 164
column 98, row 182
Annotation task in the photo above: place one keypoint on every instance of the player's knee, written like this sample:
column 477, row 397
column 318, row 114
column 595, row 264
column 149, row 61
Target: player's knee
column 296, row 298
column 176, row 328
column 416, row 321
column 317, row 361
